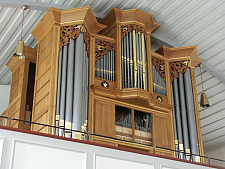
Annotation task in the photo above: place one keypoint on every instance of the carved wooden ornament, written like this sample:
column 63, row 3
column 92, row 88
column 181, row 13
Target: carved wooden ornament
column 72, row 32
column 160, row 67
column 102, row 47
column 125, row 29
column 176, row 68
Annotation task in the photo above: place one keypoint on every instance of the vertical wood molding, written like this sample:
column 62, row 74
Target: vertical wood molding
column 197, row 115
column 54, row 62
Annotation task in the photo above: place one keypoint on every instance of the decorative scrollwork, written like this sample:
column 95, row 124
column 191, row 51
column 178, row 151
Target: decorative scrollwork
column 160, row 67
column 176, row 68
column 125, row 29
column 72, row 32
column 102, row 47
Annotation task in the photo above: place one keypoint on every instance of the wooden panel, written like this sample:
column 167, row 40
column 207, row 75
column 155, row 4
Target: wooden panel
column 17, row 73
column 15, row 107
column 104, row 118
column 43, row 80
column 15, row 93
column 16, row 83
column 45, row 41
column 44, row 118
column 103, row 142
column 42, row 92
column 160, row 131
column 41, row 107
column 44, row 64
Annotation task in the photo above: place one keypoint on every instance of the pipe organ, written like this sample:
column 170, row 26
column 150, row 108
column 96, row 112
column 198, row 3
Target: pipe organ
column 103, row 77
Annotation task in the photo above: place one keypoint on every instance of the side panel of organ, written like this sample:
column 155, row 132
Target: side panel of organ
column 105, row 75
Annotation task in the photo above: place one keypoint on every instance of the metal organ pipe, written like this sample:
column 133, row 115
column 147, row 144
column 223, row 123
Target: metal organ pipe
column 183, row 113
column 77, row 100
column 58, row 93
column 63, row 91
column 191, row 114
column 134, row 60
column 104, row 67
column 178, row 118
column 127, row 61
column 131, row 61
column 69, row 87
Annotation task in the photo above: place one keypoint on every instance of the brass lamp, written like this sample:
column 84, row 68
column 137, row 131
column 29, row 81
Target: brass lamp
column 19, row 52
column 203, row 100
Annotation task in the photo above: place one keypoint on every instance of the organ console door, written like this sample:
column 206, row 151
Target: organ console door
column 104, row 76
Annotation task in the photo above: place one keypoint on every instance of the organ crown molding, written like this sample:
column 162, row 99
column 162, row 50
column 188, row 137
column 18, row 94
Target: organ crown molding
column 74, row 16
column 131, row 16
column 181, row 54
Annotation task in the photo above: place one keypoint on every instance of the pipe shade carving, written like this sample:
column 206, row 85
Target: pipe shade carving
column 72, row 32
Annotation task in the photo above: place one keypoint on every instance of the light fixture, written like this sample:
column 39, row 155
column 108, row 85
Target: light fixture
column 19, row 52
column 203, row 100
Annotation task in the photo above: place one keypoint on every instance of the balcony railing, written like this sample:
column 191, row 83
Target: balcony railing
column 84, row 135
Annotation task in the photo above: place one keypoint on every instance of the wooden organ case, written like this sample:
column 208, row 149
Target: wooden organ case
column 106, row 75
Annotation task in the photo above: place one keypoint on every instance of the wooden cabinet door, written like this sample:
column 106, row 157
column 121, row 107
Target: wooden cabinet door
column 161, row 131
column 104, row 118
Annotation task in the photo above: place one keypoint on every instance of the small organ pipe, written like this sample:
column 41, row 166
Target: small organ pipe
column 113, row 66
column 131, row 60
column 143, row 60
column 127, row 61
column 122, row 52
column 134, row 57
column 138, row 60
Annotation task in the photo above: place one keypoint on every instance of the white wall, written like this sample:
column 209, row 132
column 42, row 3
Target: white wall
column 4, row 97
column 26, row 151
column 217, row 153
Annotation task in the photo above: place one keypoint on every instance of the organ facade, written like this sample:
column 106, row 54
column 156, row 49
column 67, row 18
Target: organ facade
column 103, row 78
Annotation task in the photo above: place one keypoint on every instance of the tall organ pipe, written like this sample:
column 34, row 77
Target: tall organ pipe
column 58, row 92
column 69, row 85
column 191, row 114
column 178, row 118
column 174, row 123
column 77, row 101
column 183, row 112
column 63, row 91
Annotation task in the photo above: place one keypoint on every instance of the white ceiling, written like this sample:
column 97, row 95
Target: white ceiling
column 184, row 22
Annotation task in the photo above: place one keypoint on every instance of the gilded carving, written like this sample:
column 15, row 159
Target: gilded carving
column 160, row 67
column 125, row 29
column 176, row 68
column 102, row 47
column 72, row 32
